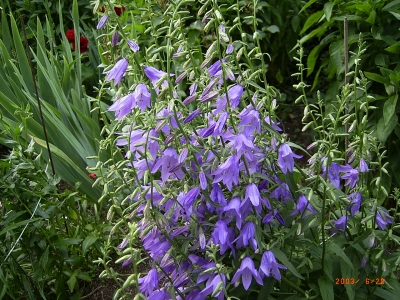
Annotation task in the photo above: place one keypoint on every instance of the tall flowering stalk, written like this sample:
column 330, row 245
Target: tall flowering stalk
column 212, row 186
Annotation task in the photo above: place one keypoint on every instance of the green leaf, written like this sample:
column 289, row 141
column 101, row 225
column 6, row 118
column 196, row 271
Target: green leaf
column 385, row 294
column 307, row 5
column 16, row 225
column 285, row 261
column 393, row 5
column 395, row 48
column 72, row 281
column 22, row 58
column 382, row 131
column 84, row 276
column 376, row 77
column 389, row 108
column 90, row 240
column 348, row 273
column 273, row 29
column 333, row 248
column 320, row 30
column 328, row 267
column 312, row 59
column 312, row 20
column 326, row 289
column 44, row 259
column 328, row 10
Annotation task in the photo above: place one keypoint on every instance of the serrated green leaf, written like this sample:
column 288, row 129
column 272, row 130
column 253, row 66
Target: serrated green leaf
column 44, row 259
column 285, row 261
column 383, row 132
column 326, row 289
column 389, row 108
column 348, row 273
column 339, row 252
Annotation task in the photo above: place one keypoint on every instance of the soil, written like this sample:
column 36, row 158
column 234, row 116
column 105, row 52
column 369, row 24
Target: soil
column 104, row 289
column 290, row 118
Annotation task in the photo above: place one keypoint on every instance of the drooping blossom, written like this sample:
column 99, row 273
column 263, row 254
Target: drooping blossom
column 250, row 121
column 211, row 286
column 351, row 175
column 273, row 214
column 247, row 271
column 219, row 125
column 228, row 172
column 253, row 194
column 169, row 159
column 302, row 205
column 223, row 236
column 341, row 223
column 246, row 236
column 123, row 106
column 142, row 96
column 234, row 95
column 149, row 282
column 363, row 166
column 217, row 196
column 383, row 219
column 269, row 266
column 272, row 123
column 232, row 210
column 190, row 197
column 355, row 202
column 118, row 71
column 333, row 174
column 155, row 75
column 285, row 158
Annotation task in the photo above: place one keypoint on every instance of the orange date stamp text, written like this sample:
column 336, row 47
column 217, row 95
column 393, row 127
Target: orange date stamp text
column 351, row 280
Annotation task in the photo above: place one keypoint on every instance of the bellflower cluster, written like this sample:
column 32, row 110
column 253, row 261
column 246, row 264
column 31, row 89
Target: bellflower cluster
column 211, row 178
column 214, row 179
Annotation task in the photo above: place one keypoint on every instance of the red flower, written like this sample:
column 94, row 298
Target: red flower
column 83, row 44
column 119, row 10
column 91, row 175
column 70, row 34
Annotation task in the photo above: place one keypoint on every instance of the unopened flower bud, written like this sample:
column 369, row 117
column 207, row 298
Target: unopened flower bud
column 181, row 77
column 114, row 38
column 102, row 22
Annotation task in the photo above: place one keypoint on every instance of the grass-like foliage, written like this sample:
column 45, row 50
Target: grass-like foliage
column 209, row 186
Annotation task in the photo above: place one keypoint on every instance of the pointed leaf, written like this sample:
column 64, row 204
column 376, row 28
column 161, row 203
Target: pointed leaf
column 326, row 289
